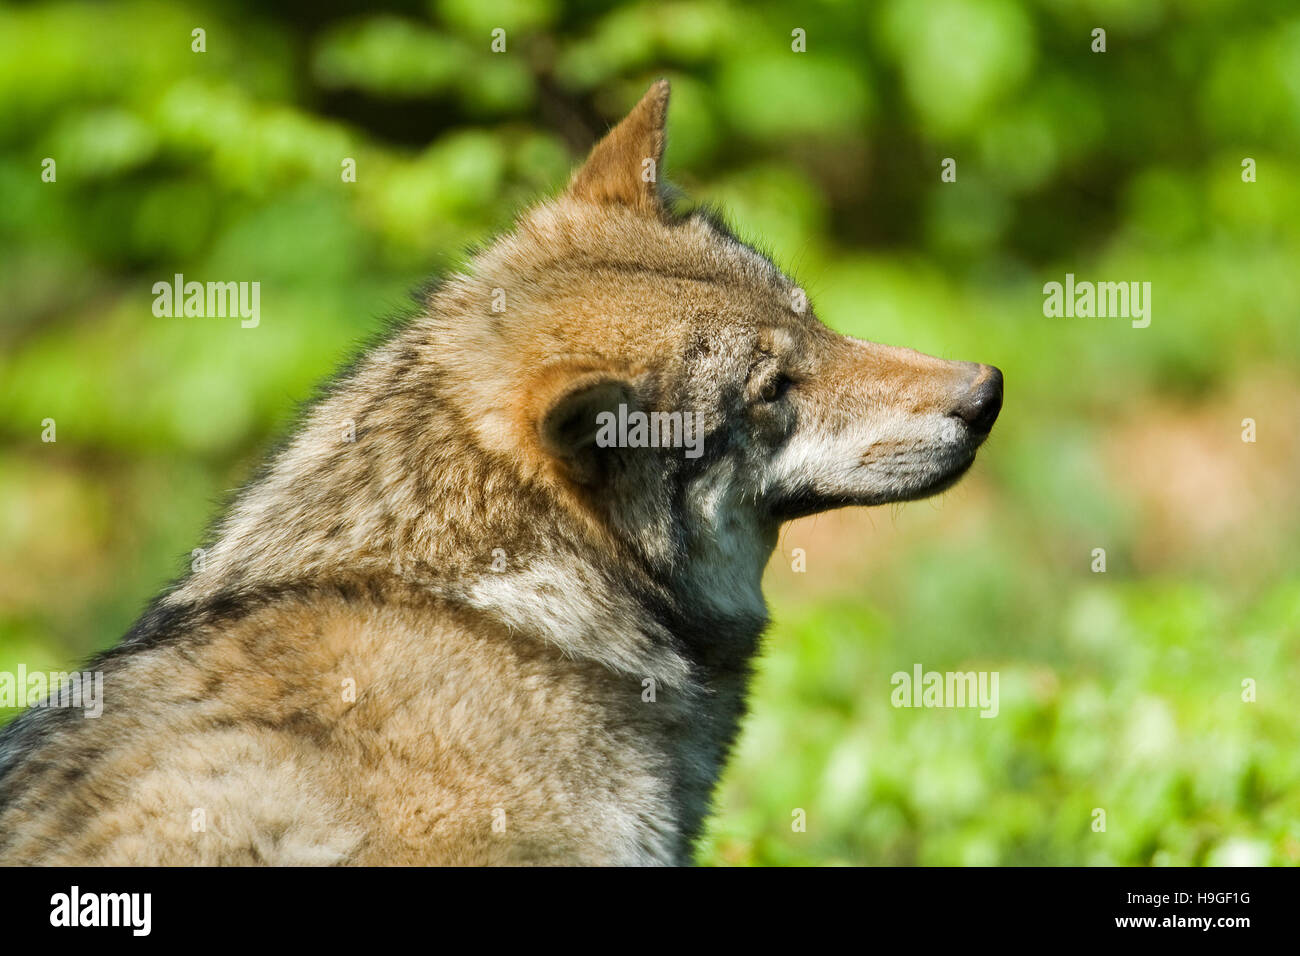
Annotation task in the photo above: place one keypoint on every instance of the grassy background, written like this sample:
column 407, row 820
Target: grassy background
column 1119, row 691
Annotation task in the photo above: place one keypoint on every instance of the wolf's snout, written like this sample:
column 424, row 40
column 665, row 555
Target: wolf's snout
column 979, row 407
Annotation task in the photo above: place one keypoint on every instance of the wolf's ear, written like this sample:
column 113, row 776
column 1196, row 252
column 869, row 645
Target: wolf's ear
column 623, row 168
column 576, row 416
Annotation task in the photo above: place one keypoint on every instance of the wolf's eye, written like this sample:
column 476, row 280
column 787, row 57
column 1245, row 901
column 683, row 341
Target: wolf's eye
column 774, row 388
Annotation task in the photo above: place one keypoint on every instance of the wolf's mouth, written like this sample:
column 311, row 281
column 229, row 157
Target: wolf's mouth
column 805, row 501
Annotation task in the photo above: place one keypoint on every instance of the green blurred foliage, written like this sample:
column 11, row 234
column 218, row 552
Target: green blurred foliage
column 1119, row 691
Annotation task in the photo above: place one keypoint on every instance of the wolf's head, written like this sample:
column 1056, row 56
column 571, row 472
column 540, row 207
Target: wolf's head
column 622, row 405
column 608, row 305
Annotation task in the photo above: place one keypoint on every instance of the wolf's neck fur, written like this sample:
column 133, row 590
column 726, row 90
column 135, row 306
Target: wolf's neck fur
column 386, row 479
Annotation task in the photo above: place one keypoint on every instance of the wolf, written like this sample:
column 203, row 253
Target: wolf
column 445, row 624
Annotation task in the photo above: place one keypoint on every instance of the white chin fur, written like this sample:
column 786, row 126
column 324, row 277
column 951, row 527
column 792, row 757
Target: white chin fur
column 872, row 462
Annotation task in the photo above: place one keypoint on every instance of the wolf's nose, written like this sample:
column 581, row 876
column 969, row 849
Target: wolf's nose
column 979, row 407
